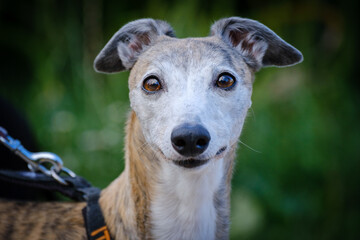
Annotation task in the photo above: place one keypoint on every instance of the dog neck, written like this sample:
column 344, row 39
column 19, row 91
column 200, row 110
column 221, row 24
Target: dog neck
column 154, row 198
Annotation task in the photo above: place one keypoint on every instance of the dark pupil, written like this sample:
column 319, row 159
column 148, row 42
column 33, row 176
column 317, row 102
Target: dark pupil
column 152, row 84
column 225, row 81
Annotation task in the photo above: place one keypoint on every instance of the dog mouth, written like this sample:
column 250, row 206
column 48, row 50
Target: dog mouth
column 190, row 163
column 193, row 163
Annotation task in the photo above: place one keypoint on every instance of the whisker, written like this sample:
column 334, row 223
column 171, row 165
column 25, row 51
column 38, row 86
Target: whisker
column 253, row 113
column 249, row 147
column 142, row 148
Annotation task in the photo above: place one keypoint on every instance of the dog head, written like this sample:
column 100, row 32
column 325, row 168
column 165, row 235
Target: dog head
column 192, row 95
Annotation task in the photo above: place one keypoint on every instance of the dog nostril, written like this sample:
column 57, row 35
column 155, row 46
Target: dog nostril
column 201, row 143
column 180, row 143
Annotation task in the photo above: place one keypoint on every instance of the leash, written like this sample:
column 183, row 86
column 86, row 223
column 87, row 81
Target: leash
column 46, row 170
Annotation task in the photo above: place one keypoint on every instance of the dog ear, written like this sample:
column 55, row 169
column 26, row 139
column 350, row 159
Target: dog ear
column 259, row 46
column 124, row 48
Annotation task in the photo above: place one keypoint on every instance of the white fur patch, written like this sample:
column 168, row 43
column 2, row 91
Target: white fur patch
column 183, row 202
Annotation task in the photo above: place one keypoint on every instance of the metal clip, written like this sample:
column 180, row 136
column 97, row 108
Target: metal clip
column 37, row 160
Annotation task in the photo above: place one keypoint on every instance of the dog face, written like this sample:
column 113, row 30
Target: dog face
column 185, row 85
column 191, row 95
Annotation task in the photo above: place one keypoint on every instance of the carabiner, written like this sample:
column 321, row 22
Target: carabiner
column 35, row 161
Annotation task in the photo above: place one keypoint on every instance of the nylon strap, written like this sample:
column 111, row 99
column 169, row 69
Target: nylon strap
column 96, row 228
column 77, row 189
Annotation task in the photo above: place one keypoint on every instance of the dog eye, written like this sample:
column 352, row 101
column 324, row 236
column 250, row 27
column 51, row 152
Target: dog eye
column 225, row 81
column 151, row 84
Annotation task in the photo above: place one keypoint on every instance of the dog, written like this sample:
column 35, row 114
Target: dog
column 189, row 99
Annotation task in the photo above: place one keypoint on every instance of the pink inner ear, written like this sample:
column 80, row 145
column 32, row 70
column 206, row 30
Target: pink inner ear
column 242, row 37
column 251, row 45
column 139, row 41
column 237, row 36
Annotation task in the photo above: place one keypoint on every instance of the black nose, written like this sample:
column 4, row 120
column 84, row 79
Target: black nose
column 190, row 140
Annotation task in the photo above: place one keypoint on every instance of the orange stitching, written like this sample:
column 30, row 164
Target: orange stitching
column 106, row 235
column 98, row 230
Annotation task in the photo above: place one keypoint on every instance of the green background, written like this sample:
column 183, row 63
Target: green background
column 297, row 173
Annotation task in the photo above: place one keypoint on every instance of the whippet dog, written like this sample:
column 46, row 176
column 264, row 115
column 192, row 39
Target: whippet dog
column 189, row 99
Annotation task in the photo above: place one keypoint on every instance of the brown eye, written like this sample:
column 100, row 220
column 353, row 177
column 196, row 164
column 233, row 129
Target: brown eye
column 225, row 81
column 151, row 84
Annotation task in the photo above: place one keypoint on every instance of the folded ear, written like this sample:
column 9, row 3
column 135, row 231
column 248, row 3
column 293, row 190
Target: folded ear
column 258, row 45
column 124, row 48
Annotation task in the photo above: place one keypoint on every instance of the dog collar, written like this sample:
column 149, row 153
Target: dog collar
column 77, row 189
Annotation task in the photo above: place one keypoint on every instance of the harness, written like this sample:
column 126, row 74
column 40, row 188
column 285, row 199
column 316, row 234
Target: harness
column 52, row 179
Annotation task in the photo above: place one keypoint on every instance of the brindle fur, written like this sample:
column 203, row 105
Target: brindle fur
column 35, row 220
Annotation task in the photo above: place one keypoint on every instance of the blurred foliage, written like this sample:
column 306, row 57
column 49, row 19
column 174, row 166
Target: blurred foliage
column 297, row 171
